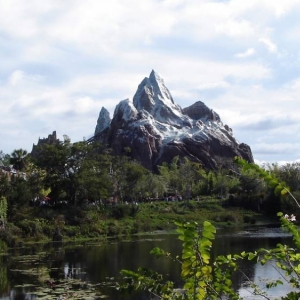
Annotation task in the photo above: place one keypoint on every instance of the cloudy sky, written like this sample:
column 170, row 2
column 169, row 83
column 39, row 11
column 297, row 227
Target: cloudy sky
column 62, row 60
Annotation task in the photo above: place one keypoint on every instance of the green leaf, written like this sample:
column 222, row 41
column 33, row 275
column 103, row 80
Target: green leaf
column 188, row 285
column 285, row 191
column 273, row 183
column 158, row 252
column 278, row 189
column 205, row 257
column 187, row 255
column 251, row 255
column 209, row 235
column 208, row 226
column 206, row 243
column 206, row 270
column 186, row 265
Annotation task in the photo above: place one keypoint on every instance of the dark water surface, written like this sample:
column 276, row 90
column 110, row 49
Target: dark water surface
column 54, row 271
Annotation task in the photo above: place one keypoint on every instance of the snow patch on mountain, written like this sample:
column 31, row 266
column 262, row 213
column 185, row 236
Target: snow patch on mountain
column 126, row 111
column 154, row 97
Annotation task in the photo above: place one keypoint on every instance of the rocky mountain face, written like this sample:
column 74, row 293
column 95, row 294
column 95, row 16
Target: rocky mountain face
column 156, row 129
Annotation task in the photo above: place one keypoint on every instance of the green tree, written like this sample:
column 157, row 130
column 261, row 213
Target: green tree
column 182, row 177
column 128, row 177
column 251, row 192
column 153, row 186
column 170, row 174
column 135, row 176
column 35, row 178
column 269, row 179
column 5, row 186
column 225, row 183
column 164, row 175
column 55, row 160
column 210, row 183
column 93, row 178
column 290, row 173
column 3, row 210
column 117, row 172
column 4, row 158
column 19, row 196
column 190, row 174
column 19, row 159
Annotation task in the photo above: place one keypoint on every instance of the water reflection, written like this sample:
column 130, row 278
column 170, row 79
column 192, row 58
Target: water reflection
column 28, row 268
column 252, row 239
column 261, row 275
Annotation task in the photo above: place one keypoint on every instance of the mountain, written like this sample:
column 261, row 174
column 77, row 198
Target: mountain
column 156, row 129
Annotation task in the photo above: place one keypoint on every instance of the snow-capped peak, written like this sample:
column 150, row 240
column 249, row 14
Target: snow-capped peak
column 153, row 96
column 159, row 87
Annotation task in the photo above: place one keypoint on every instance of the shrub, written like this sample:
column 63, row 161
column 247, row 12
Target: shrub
column 30, row 227
column 228, row 217
column 113, row 228
column 249, row 219
column 123, row 210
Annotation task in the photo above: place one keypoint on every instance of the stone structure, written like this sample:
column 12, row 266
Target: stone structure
column 51, row 140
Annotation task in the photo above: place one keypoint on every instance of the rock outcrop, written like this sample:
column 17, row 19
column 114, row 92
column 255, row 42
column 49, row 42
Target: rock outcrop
column 156, row 129
column 103, row 121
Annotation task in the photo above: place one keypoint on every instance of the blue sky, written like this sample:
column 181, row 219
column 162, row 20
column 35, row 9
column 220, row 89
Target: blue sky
column 61, row 61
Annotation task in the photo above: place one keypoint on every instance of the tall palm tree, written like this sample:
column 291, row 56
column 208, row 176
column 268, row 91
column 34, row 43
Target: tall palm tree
column 18, row 159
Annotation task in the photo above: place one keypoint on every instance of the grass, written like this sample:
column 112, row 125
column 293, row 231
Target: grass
column 75, row 223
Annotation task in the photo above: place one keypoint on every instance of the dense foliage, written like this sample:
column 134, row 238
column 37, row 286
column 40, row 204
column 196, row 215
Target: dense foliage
column 65, row 178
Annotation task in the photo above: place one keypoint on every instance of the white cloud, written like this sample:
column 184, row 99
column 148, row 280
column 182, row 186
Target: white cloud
column 269, row 44
column 247, row 53
column 16, row 77
column 212, row 85
column 61, row 61
column 277, row 148
column 85, row 104
column 235, row 28
column 19, row 77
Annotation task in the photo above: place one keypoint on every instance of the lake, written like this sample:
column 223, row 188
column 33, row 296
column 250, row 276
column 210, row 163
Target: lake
column 85, row 271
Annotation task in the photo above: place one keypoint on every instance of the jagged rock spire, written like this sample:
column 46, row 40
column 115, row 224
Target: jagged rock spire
column 103, row 121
